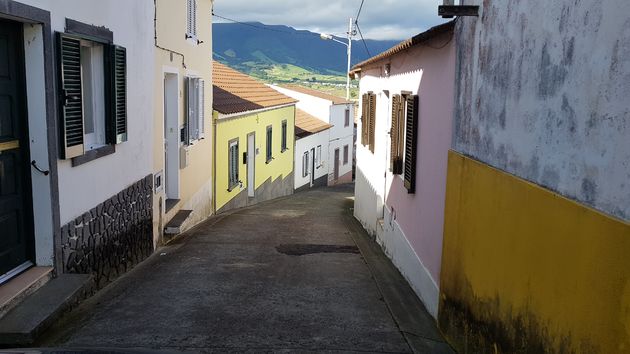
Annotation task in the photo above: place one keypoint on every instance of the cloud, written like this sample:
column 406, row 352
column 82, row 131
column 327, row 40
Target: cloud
column 379, row 19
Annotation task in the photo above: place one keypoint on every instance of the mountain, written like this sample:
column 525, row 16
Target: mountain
column 259, row 49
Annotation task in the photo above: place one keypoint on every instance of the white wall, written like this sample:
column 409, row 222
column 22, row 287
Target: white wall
column 341, row 136
column 83, row 187
column 306, row 144
column 543, row 94
column 315, row 106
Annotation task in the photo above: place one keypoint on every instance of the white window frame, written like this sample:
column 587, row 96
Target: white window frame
column 233, row 165
column 305, row 160
column 93, row 89
column 318, row 156
column 196, row 109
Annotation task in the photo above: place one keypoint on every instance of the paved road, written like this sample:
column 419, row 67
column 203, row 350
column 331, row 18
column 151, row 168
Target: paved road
column 283, row 276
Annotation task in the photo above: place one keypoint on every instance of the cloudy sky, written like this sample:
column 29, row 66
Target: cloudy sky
column 379, row 19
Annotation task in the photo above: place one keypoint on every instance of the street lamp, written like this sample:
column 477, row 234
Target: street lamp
column 329, row 37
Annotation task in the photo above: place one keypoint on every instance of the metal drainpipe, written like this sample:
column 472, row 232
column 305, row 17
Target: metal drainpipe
column 214, row 164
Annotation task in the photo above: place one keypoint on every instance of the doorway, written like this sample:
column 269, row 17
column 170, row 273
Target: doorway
column 336, row 168
column 251, row 165
column 17, row 249
column 171, row 139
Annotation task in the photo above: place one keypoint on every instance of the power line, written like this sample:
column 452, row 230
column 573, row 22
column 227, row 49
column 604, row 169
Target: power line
column 363, row 40
column 356, row 19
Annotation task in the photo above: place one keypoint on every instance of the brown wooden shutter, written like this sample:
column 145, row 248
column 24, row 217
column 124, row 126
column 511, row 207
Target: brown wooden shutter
column 395, row 155
column 411, row 143
column 364, row 120
column 71, row 97
column 372, row 120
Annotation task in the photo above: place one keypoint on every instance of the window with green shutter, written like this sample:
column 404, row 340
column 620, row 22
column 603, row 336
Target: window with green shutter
column 284, row 136
column 269, row 144
column 92, row 96
column 233, row 178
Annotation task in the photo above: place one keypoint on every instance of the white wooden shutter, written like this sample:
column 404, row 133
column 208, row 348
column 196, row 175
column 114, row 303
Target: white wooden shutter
column 201, row 110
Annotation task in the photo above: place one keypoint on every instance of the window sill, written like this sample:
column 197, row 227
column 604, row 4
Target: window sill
column 269, row 161
column 93, row 155
column 283, row 150
column 233, row 187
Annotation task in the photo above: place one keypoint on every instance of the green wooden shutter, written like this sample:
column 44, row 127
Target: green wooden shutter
column 395, row 156
column 71, row 98
column 118, row 120
column 372, row 121
column 411, row 143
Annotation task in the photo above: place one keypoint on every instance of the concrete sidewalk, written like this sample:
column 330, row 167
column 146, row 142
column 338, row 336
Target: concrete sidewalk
column 283, row 276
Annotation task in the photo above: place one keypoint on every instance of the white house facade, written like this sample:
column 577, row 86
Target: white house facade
column 311, row 151
column 77, row 181
column 337, row 112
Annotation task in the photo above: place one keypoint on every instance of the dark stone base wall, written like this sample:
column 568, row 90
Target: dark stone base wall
column 113, row 237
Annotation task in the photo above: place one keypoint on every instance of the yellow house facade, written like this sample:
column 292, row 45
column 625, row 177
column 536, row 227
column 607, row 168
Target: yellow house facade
column 254, row 140
column 182, row 151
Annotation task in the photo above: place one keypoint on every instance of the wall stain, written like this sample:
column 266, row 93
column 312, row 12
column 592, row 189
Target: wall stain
column 552, row 76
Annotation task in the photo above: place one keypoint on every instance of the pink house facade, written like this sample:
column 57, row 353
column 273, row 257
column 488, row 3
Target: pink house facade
column 408, row 222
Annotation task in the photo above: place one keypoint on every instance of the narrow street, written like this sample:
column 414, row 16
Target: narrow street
column 291, row 275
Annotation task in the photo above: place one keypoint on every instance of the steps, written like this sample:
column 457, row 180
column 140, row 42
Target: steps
column 22, row 324
column 17, row 289
column 177, row 223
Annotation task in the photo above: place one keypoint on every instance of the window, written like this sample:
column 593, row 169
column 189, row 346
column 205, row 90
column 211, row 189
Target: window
column 195, row 104
column 191, row 19
column 345, row 154
column 411, row 142
column 233, row 180
column 284, row 136
column 347, row 119
column 397, row 134
column 318, row 156
column 93, row 91
column 305, row 164
column 269, row 144
column 368, row 115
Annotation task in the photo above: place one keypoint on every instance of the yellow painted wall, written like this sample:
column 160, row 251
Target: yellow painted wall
column 239, row 127
column 195, row 180
column 526, row 270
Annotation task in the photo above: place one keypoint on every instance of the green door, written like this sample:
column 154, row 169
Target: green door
column 16, row 236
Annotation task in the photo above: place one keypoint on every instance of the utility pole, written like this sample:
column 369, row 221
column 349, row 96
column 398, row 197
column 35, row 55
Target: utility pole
column 350, row 34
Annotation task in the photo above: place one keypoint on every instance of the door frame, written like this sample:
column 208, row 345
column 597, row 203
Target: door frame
column 41, row 93
column 251, row 157
column 312, row 166
column 171, row 140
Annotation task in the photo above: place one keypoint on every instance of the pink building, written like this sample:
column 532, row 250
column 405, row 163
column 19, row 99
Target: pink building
column 404, row 134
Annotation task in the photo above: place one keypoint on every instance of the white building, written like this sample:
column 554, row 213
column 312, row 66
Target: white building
column 338, row 112
column 312, row 136
column 76, row 188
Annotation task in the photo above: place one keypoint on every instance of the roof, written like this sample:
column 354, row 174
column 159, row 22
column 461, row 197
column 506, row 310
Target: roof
column 235, row 92
column 408, row 43
column 306, row 124
column 308, row 91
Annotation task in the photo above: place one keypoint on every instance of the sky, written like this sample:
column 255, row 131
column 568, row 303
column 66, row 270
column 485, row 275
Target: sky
column 379, row 19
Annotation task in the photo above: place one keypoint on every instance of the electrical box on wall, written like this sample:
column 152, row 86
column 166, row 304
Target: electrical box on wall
column 184, row 153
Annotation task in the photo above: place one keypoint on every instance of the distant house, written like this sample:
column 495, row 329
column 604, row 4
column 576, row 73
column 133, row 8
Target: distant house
column 407, row 100
column 311, row 151
column 254, row 140
column 183, row 116
column 338, row 112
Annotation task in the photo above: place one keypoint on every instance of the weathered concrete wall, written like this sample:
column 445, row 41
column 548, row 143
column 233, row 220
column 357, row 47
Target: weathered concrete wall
column 528, row 271
column 543, row 94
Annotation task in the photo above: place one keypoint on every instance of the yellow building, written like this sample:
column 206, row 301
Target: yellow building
column 182, row 148
column 254, row 140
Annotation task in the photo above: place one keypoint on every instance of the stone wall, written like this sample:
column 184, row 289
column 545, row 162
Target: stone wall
column 113, row 237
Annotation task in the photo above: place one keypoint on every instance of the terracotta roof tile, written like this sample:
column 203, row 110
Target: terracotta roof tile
column 308, row 91
column 235, row 92
column 306, row 124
